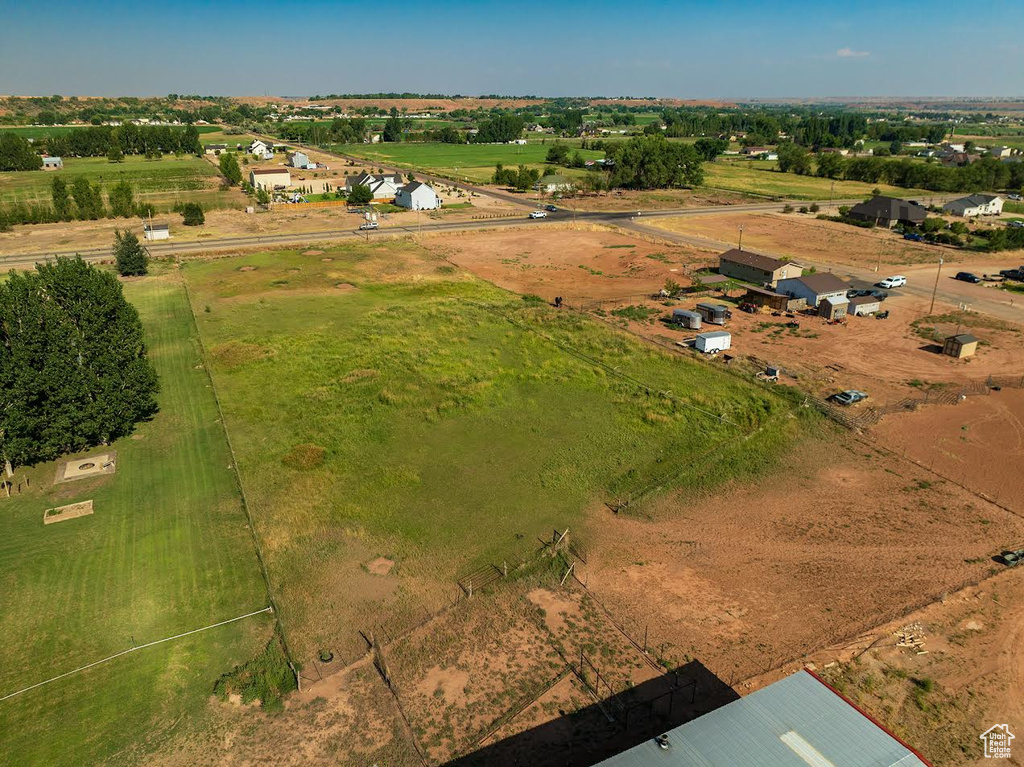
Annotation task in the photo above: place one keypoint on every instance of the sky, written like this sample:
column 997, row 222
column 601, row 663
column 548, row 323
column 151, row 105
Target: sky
column 683, row 49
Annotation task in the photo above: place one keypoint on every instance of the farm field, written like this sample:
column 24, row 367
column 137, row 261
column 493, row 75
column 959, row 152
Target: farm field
column 474, row 162
column 760, row 177
column 42, row 131
column 160, row 182
column 166, row 550
column 398, row 422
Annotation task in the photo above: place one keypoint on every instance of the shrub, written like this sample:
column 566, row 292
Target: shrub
column 266, row 678
column 814, row 207
column 192, row 214
column 787, row 208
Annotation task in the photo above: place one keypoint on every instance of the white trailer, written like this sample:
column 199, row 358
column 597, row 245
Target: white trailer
column 713, row 342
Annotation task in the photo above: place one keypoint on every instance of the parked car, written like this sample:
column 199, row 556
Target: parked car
column 892, row 282
column 1013, row 274
column 1016, row 224
column 1013, row 197
column 967, row 277
column 550, row 208
column 369, row 225
column 538, row 214
column 913, row 236
column 858, row 293
column 849, row 397
column 881, row 295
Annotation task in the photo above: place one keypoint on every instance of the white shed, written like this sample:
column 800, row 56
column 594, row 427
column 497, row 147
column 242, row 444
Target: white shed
column 713, row 342
column 156, row 231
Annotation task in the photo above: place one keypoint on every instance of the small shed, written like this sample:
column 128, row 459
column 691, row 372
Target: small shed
column 686, row 318
column 714, row 314
column 156, row 231
column 960, row 346
column 769, row 298
column 833, row 307
column 713, row 342
column 862, row 305
column 52, row 163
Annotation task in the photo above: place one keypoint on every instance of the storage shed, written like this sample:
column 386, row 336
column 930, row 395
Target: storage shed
column 686, row 318
column 714, row 314
column 156, row 231
column 833, row 307
column 862, row 305
column 713, row 342
column 960, row 346
column 777, row 301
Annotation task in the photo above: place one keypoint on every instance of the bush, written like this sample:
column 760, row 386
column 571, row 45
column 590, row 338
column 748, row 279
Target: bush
column 266, row 678
column 814, row 207
column 192, row 214
column 787, row 208
column 804, row 209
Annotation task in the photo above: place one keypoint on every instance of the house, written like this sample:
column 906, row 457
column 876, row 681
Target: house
column 52, row 163
column 975, row 205
column 958, row 159
column 552, row 184
column 813, row 288
column 1000, row 151
column 153, row 231
column 713, row 342
column 753, row 267
column 417, row 196
column 863, row 305
column 960, row 346
column 215, row 148
column 755, row 150
column 383, row 186
column 261, row 150
column 834, row 150
column 888, row 211
column 270, row 178
column 796, row 721
column 300, row 160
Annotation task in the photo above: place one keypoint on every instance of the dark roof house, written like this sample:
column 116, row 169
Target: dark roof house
column 887, row 211
column 753, row 267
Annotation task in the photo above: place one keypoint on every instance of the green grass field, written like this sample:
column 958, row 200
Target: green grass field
column 166, row 551
column 160, row 182
column 42, row 131
column 474, row 162
column 431, row 418
column 760, row 177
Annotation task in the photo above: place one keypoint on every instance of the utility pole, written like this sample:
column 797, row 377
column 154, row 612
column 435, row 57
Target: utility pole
column 741, row 238
column 831, row 195
column 931, row 309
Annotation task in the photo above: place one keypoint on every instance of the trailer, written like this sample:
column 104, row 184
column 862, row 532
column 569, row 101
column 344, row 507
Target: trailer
column 714, row 314
column 686, row 318
column 713, row 342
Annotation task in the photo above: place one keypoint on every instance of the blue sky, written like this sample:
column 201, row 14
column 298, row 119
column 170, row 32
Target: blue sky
column 780, row 48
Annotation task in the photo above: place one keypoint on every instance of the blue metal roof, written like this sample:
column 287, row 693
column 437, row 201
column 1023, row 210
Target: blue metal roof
column 795, row 722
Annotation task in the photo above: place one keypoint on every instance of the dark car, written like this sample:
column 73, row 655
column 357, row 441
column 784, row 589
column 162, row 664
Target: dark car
column 855, row 293
column 1013, row 274
column 551, row 208
column 849, row 397
column 967, row 277
column 913, row 236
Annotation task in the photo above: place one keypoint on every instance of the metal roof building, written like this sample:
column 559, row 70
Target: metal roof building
column 796, row 722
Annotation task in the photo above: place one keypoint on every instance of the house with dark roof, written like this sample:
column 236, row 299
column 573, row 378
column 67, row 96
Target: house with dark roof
column 975, row 205
column 753, row 267
column 814, row 288
column 417, row 196
column 888, row 211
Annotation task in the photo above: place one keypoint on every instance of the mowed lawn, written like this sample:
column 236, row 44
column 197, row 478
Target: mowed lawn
column 431, row 418
column 161, row 182
column 761, row 177
column 166, row 551
column 474, row 162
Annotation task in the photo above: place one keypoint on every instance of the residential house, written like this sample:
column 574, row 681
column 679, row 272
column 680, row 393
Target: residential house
column 834, row 150
column 300, row 160
column 888, row 211
column 1000, row 151
column 813, row 288
column 215, row 148
column 755, row 150
column 52, row 163
column 975, row 205
column 958, row 159
column 261, row 150
column 753, row 267
column 270, row 178
column 417, row 196
column 384, row 186
column 552, row 184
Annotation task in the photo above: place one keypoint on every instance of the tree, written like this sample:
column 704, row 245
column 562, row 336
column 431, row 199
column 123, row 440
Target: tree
column 895, row 147
column 121, row 198
column 361, row 194
column 192, row 214
column 131, row 257
column 710, row 148
column 61, row 198
column 114, row 154
column 230, row 169
column 558, row 154
column 73, row 366
column 830, row 165
column 17, row 154
column 653, row 162
column 448, row 135
column 793, row 158
column 262, row 195
column 88, row 199
column 394, row 127
column 500, row 129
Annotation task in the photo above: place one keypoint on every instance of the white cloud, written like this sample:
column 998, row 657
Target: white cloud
column 849, row 53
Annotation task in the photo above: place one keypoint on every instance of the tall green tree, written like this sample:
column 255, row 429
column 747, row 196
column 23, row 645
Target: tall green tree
column 230, row 168
column 131, row 257
column 830, row 165
column 793, row 158
column 17, row 154
column 361, row 194
column 653, row 162
column 61, row 198
column 394, row 127
column 192, row 214
column 73, row 366
column 88, row 199
column 122, row 200
column 114, row 154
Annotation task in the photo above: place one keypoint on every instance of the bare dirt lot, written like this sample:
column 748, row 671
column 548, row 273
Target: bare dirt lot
column 577, row 264
column 661, row 199
column 803, row 237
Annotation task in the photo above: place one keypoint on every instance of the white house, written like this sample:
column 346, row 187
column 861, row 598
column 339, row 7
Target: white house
column 215, row 148
column 552, row 184
column 156, row 231
column 1000, row 151
column 52, row 163
column 300, row 160
column 975, row 205
column 814, row 288
column 384, row 186
column 417, row 196
column 261, row 150
column 270, row 178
